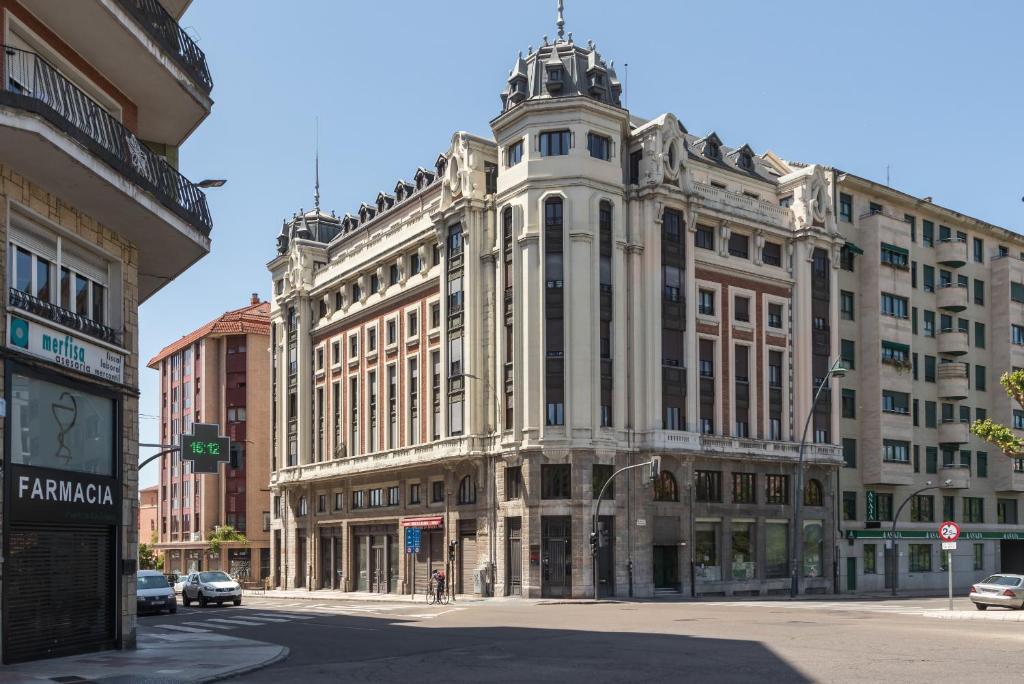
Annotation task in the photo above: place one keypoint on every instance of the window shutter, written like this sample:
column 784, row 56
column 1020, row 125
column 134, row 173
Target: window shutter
column 88, row 266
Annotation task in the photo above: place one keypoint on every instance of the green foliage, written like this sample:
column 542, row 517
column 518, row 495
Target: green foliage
column 1001, row 436
column 222, row 534
column 149, row 559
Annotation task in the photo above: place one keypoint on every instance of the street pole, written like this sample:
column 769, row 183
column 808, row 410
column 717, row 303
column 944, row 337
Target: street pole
column 895, row 546
column 949, row 572
column 796, row 534
column 597, row 511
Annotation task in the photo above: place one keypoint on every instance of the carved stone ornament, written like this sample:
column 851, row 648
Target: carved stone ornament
column 724, row 233
column 652, row 170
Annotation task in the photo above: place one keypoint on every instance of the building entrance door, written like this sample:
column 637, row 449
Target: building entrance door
column 300, row 560
column 326, row 558
column 851, row 574
column 1011, row 556
column 514, row 556
column 378, row 568
column 556, row 556
column 666, row 567
column 264, row 564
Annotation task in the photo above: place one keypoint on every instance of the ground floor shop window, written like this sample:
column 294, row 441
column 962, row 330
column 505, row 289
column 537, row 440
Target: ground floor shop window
column 744, row 554
column 812, row 548
column 776, row 550
column 921, row 557
column 979, row 556
column 706, row 551
column 870, row 557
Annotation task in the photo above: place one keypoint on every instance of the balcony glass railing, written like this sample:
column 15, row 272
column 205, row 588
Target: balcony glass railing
column 166, row 31
column 30, row 83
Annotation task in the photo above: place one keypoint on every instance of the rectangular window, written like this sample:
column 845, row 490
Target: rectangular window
column 920, row 557
column 979, row 292
column 775, row 316
column 556, row 481
column 739, row 245
column 928, row 278
column 849, row 453
column 895, row 402
column 414, row 493
column 554, row 143
column 929, row 368
column 980, row 381
column 895, row 451
column 847, row 354
column 922, row 508
column 771, row 254
column 884, row 503
column 894, row 305
column 849, row 505
column 927, row 233
column 437, row 491
column 979, row 250
column 846, row 305
column 600, row 475
column 974, row 509
column 849, row 403
column 514, row 153
column 1016, row 334
column 979, row 335
column 928, row 323
column 949, row 507
column 513, row 482
column 392, row 496
column 743, row 488
column 600, row 146
column 1006, row 511
column 741, row 309
column 931, row 460
column 706, row 302
column 708, row 485
column 705, row 237
column 776, row 489
column 845, row 207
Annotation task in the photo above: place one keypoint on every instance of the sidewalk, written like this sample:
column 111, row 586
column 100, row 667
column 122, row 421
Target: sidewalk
column 334, row 595
column 159, row 659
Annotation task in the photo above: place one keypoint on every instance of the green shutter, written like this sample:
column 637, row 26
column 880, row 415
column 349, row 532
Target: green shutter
column 895, row 346
column 896, row 250
column 850, row 247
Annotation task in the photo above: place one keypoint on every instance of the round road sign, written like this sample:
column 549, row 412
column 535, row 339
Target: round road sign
column 949, row 531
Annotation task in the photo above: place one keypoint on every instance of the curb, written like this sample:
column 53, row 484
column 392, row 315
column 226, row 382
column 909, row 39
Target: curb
column 370, row 599
column 245, row 669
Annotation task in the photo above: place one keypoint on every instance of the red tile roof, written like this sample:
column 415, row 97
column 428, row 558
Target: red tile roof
column 252, row 320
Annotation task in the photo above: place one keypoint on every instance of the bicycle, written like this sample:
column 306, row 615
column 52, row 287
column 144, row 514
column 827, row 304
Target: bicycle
column 433, row 596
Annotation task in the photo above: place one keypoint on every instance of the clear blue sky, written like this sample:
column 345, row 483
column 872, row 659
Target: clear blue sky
column 929, row 88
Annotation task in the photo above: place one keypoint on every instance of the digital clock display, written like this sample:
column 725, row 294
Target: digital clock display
column 205, row 448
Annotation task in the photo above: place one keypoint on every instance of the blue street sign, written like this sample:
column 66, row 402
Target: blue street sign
column 412, row 540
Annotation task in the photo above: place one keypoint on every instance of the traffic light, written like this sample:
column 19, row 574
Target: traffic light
column 593, row 543
column 451, row 550
column 655, row 467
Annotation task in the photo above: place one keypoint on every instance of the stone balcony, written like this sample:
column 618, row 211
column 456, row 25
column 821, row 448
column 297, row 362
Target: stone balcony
column 1007, row 474
column 951, row 253
column 750, row 208
column 441, row 450
column 952, row 297
column 953, row 343
column 952, row 380
column 954, row 477
column 954, row 432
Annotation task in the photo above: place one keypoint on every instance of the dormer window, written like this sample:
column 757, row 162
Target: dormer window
column 555, row 77
column 711, row 149
column 745, row 161
column 555, row 74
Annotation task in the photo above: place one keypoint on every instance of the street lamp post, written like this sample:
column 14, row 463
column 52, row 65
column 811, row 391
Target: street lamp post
column 894, row 573
column 796, row 536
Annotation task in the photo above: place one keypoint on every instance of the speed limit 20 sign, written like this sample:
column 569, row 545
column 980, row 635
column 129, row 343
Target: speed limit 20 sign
column 949, row 531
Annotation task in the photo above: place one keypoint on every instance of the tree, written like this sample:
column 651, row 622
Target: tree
column 222, row 534
column 996, row 434
column 149, row 559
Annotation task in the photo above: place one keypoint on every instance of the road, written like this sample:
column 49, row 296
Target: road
column 505, row 640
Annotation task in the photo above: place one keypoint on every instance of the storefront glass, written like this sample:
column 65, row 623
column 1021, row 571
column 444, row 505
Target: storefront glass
column 56, row 426
column 706, row 551
column 744, row 558
column 812, row 548
column 776, row 550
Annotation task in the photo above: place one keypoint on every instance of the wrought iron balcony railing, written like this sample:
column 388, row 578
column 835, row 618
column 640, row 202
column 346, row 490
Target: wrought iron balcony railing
column 19, row 299
column 30, row 83
column 166, row 31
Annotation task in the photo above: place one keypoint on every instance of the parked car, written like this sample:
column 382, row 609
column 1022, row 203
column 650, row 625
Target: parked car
column 213, row 586
column 999, row 590
column 153, row 593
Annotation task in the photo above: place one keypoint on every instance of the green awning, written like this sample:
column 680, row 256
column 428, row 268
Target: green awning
column 896, row 250
column 921, row 534
column 895, row 346
column 852, row 248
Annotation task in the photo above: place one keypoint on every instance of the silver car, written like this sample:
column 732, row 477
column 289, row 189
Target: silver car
column 213, row 586
column 153, row 593
column 999, row 590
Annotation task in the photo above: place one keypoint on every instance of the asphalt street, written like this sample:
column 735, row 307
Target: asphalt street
column 719, row 641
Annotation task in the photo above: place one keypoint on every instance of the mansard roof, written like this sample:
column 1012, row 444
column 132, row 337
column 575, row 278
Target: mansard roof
column 561, row 69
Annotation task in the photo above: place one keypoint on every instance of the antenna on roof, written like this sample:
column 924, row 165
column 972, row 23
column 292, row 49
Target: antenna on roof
column 316, row 164
column 887, row 175
column 561, row 20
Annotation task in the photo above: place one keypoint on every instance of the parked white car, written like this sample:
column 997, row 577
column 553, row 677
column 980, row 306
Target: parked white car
column 213, row 586
column 153, row 593
column 999, row 590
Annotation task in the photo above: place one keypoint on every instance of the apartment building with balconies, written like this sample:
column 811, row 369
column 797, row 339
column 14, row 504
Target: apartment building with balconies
column 461, row 365
column 930, row 300
column 217, row 374
column 97, row 97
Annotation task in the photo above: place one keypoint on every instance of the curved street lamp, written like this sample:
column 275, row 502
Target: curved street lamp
column 895, row 519
column 796, row 534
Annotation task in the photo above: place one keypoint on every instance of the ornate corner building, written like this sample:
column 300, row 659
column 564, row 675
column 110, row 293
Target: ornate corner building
column 97, row 97
column 474, row 354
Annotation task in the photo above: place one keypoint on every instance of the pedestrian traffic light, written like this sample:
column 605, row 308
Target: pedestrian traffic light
column 655, row 467
column 451, row 550
column 593, row 543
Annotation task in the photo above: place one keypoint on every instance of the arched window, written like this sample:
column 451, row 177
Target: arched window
column 665, row 488
column 812, row 493
column 467, row 492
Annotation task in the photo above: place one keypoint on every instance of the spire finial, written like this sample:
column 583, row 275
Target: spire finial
column 316, row 165
column 561, row 20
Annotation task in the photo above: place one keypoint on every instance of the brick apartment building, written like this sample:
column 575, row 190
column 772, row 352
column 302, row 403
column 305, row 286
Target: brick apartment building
column 148, row 515
column 217, row 374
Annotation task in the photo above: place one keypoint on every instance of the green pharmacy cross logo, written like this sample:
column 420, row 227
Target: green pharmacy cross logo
column 205, row 448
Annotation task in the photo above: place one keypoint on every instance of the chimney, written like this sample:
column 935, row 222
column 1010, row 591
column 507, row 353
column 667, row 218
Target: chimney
column 255, row 298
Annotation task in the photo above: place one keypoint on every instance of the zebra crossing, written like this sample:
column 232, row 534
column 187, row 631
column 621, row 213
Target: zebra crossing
column 274, row 613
